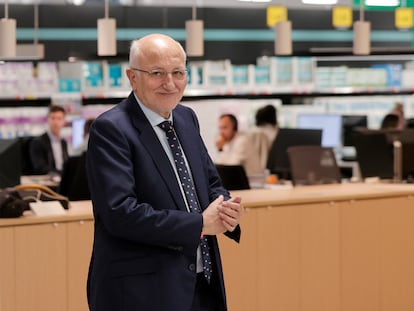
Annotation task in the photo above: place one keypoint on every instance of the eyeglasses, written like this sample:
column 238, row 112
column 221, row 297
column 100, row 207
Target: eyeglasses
column 177, row 74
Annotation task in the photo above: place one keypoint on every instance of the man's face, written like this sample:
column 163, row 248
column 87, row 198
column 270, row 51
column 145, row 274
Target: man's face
column 226, row 128
column 159, row 93
column 56, row 121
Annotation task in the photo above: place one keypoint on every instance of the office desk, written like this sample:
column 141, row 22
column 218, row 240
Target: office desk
column 44, row 260
column 343, row 247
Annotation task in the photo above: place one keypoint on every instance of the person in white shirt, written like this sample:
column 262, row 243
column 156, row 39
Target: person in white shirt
column 231, row 144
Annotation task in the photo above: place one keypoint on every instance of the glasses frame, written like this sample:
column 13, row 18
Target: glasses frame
column 159, row 74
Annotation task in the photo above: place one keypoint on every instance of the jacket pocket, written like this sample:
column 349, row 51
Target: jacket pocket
column 142, row 265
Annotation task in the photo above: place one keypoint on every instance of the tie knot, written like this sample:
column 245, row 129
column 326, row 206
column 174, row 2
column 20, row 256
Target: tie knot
column 165, row 126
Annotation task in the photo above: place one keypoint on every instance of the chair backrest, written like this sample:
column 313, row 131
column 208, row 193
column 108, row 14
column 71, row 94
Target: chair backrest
column 74, row 183
column 312, row 165
column 27, row 167
column 233, row 177
column 374, row 154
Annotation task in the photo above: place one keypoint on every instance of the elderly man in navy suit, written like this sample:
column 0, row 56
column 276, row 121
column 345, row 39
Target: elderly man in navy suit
column 156, row 217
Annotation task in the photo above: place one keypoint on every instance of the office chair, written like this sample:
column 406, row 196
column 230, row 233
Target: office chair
column 312, row 165
column 233, row 177
column 374, row 154
column 74, row 183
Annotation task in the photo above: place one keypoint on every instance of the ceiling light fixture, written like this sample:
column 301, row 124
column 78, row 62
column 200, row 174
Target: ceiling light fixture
column 320, row 2
column 382, row 2
column 194, row 42
column 362, row 32
column 254, row 0
column 35, row 50
column 7, row 34
column 106, row 34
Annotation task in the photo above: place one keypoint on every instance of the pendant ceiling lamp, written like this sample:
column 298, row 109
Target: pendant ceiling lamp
column 194, row 43
column 283, row 40
column 35, row 50
column 362, row 31
column 106, row 34
column 7, row 34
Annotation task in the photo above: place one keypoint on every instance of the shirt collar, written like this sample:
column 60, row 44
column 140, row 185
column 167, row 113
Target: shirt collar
column 153, row 117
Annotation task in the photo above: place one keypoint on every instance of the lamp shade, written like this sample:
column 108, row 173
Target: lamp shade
column 194, row 43
column 7, row 37
column 283, row 41
column 362, row 42
column 106, row 37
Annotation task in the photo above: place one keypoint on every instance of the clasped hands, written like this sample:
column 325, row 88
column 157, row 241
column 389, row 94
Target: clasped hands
column 221, row 216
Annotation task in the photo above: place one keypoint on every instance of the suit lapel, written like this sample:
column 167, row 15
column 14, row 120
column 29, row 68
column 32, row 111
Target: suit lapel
column 150, row 141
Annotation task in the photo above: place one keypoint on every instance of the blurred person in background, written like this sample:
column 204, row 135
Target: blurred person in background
column 49, row 151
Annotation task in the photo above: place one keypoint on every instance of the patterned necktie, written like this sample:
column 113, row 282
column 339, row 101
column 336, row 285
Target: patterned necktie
column 188, row 187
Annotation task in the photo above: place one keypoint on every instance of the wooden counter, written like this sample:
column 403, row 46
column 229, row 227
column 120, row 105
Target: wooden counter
column 343, row 247
column 44, row 260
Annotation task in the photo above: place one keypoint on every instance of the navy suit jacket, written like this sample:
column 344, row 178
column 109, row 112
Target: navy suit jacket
column 41, row 154
column 145, row 241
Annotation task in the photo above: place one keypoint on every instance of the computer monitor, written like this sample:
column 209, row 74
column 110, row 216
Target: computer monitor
column 330, row 124
column 278, row 160
column 78, row 126
column 10, row 162
column 375, row 152
column 350, row 123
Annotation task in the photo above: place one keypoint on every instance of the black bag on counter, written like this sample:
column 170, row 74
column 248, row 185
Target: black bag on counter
column 11, row 204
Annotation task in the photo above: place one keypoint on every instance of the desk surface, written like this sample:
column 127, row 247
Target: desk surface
column 278, row 196
column 286, row 195
column 79, row 210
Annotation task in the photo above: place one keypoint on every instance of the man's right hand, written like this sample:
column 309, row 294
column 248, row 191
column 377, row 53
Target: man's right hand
column 212, row 223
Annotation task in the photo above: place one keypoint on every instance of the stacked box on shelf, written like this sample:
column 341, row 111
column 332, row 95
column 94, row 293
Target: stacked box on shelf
column 323, row 77
column 367, row 77
column 93, row 77
column 115, row 74
column 8, row 80
column 17, row 79
column 194, row 75
column 304, row 72
column 281, row 72
column 217, row 73
column 47, row 78
column 407, row 76
column 339, row 76
column 240, row 75
column 261, row 75
column 70, row 76
column 210, row 74
column 393, row 73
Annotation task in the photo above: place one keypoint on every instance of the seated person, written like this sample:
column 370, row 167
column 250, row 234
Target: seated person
column 231, row 144
column 49, row 151
column 260, row 140
column 390, row 122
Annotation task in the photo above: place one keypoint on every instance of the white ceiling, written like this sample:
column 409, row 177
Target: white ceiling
column 190, row 3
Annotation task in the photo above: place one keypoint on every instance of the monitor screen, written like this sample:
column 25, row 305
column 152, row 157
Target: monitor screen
column 10, row 162
column 350, row 123
column 278, row 160
column 330, row 124
column 78, row 125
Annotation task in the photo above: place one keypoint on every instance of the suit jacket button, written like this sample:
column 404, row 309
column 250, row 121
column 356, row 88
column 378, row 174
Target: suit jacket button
column 192, row 267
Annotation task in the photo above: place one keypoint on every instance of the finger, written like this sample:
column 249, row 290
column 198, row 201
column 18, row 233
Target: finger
column 235, row 199
column 232, row 221
column 228, row 226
